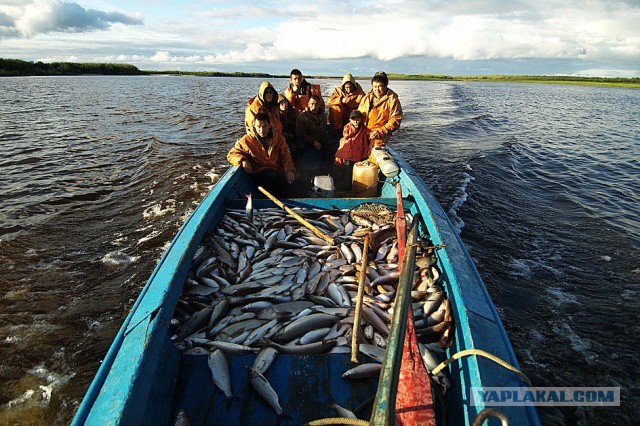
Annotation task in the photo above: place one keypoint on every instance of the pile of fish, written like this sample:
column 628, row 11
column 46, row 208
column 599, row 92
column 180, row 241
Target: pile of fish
column 266, row 284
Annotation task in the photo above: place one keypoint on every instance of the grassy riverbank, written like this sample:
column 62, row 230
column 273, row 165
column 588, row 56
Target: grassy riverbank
column 17, row 67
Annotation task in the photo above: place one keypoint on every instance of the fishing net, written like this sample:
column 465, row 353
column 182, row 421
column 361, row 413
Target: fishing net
column 367, row 214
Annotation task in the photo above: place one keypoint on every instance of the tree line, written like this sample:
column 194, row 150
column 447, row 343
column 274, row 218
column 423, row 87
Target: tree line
column 17, row 67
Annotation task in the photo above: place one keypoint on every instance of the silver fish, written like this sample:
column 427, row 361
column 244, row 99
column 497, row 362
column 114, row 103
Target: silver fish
column 343, row 412
column 196, row 322
column 310, row 348
column 249, row 208
column 259, row 332
column 265, row 390
column 220, row 372
column 314, row 336
column 302, row 325
column 231, row 348
column 264, row 359
column 362, row 371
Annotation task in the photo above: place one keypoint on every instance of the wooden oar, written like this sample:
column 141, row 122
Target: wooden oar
column 385, row 403
column 299, row 218
column 356, row 320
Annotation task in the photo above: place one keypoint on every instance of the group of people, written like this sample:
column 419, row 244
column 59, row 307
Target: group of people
column 280, row 127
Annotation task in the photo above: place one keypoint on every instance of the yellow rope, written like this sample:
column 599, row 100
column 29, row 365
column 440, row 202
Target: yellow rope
column 480, row 352
column 337, row 421
column 490, row 412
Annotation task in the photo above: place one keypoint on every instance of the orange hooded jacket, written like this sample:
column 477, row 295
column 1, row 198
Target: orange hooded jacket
column 338, row 110
column 275, row 156
column 258, row 104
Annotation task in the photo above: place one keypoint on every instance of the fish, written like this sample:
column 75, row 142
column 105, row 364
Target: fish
column 249, row 208
column 231, row 348
column 362, row 371
column 265, row 284
column 263, row 388
column 220, row 372
column 196, row 322
column 343, row 412
column 182, row 419
column 310, row 348
column 303, row 325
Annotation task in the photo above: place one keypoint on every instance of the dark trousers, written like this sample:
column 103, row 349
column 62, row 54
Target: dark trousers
column 270, row 180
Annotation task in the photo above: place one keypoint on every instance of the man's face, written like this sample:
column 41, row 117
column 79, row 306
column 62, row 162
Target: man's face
column 269, row 94
column 348, row 87
column 379, row 89
column 296, row 81
column 262, row 127
column 283, row 105
column 313, row 105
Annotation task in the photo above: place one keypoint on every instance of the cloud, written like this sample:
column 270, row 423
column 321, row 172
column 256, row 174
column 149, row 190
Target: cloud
column 232, row 34
column 48, row 16
column 488, row 30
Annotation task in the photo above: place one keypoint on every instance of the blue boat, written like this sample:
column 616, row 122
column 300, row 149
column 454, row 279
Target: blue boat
column 149, row 377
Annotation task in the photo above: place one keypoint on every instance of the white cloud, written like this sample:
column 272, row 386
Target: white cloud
column 223, row 33
column 29, row 18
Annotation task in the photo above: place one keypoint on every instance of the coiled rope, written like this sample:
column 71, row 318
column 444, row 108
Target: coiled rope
column 485, row 354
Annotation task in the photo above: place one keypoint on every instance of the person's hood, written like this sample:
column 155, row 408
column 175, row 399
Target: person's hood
column 348, row 78
column 264, row 86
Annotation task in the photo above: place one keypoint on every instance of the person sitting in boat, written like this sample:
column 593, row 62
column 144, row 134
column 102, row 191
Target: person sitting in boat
column 354, row 144
column 344, row 99
column 266, row 101
column 381, row 110
column 288, row 120
column 311, row 129
column 299, row 91
column 264, row 155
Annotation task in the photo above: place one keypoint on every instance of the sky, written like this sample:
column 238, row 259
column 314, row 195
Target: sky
column 332, row 37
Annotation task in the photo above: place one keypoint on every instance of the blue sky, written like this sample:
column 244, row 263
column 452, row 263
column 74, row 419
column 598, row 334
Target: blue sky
column 331, row 37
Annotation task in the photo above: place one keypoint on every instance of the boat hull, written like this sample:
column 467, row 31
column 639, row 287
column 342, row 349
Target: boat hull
column 145, row 379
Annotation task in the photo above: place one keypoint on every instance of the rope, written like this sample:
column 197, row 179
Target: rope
column 490, row 412
column 337, row 421
column 485, row 354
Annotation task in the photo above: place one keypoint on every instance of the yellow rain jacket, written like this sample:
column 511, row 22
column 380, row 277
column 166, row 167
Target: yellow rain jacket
column 382, row 115
column 342, row 103
column 257, row 104
column 275, row 155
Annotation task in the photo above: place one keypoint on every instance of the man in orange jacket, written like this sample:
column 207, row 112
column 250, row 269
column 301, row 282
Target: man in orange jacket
column 344, row 99
column 300, row 90
column 264, row 154
column 381, row 109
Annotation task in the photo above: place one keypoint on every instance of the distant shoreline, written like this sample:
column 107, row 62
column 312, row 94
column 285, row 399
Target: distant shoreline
column 20, row 68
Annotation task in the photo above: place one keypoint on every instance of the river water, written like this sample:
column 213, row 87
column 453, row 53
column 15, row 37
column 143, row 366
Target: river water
column 98, row 173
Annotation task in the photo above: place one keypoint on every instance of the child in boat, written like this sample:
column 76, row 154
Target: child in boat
column 354, row 145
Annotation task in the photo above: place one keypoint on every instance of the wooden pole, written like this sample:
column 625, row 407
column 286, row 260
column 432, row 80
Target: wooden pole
column 299, row 218
column 355, row 335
